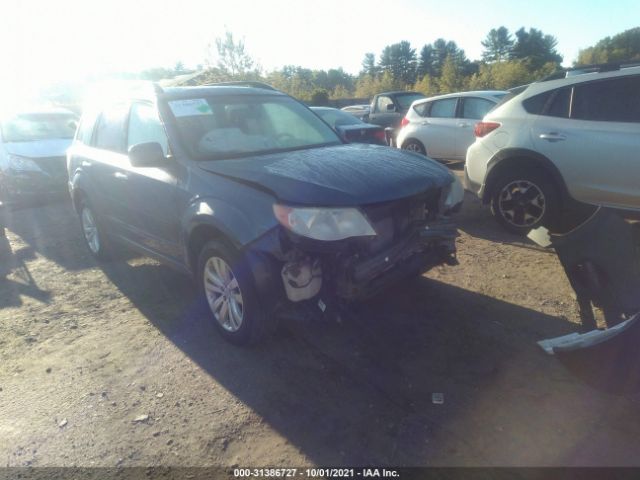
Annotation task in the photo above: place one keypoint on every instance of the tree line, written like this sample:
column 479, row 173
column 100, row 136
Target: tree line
column 508, row 60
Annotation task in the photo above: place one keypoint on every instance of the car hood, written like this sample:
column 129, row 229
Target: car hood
column 344, row 175
column 56, row 147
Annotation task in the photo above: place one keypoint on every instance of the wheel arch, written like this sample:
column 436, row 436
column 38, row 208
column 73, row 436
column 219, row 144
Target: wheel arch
column 211, row 219
column 414, row 139
column 521, row 158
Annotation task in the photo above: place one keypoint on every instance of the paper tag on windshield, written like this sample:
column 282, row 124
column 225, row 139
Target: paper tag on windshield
column 190, row 107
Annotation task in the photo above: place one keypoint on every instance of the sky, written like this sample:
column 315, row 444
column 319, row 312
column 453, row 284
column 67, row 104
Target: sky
column 56, row 40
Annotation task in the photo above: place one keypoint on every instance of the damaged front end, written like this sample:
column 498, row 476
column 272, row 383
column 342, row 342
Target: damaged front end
column 401, row 238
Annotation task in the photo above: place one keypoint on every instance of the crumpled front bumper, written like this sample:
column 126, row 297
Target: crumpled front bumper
column 359, row 278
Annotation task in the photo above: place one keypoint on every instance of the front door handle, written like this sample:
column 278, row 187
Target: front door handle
column 553, row 136
column 121, row 176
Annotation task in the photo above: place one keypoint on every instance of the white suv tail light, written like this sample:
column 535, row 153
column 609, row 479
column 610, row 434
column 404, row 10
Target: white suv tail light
column 484, row 128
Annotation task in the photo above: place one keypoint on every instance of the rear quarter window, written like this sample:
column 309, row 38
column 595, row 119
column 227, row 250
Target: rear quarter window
column 422, row 109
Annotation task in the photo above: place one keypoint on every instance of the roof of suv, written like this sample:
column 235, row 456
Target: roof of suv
column 188, row 92
column 550, row 84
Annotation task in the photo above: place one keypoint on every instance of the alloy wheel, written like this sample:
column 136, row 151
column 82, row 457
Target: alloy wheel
column 223, row 294
column 90, row 230
column 522, row 203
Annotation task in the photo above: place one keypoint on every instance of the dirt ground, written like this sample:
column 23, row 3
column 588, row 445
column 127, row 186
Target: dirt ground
column 113, row 365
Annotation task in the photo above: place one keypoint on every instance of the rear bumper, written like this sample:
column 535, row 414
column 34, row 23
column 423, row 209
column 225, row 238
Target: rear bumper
column 471, row 186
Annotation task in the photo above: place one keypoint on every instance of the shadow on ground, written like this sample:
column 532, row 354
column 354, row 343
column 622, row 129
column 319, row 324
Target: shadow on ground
column 359, row 392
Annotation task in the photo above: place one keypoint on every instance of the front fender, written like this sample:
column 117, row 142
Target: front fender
column 239, row 226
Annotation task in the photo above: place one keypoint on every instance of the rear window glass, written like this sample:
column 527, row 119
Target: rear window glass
column 444, row 108
column 476, row 108
column 405, row 101
column 613, row 100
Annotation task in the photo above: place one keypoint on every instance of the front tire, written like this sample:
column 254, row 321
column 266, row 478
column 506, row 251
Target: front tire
column 228, row 290
column 524, row 200
column 414, row 146
column 92, row 231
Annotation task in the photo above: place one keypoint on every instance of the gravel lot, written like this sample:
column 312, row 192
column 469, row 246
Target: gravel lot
column 113, row 365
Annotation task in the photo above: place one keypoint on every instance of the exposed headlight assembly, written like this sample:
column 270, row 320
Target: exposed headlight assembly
column 326, row 224
column 22, row 164
column 452, row 195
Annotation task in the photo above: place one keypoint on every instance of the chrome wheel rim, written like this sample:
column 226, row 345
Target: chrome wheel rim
column 413, row 147
column 90, row 230
column 522, row 203
column 223, row 294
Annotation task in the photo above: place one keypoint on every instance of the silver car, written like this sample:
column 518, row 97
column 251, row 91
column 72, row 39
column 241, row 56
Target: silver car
column 442, row 127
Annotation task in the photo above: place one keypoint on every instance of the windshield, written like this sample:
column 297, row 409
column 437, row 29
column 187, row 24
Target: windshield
column 337, row 118
column 38, row 126
column 236, row 126
column 406, row 100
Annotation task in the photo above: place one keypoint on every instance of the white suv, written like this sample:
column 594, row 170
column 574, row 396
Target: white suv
column 556, row 141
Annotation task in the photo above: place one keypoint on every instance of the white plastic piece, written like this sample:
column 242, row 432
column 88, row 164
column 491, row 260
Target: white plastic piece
column 302, row 279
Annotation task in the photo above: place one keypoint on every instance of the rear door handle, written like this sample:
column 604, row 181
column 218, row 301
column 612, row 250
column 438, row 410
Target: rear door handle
column 425, row 122
column 463, row 125
column 121, row 176
column 553, row 136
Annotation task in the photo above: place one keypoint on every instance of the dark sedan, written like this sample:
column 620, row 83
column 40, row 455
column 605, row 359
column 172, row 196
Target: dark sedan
column 350, row 128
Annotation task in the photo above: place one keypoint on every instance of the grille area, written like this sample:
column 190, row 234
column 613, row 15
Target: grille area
column 393, row 220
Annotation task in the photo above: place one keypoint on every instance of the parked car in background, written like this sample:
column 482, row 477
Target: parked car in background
column 573, row 137
column 358, row 111
column 442, row 127
column 32, row 153
column 351, row 128
column 259, row 199
column 388, row 109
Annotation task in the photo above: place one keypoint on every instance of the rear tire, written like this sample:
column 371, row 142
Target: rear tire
column 524, row 200
column 415, row 146
column 228, row 290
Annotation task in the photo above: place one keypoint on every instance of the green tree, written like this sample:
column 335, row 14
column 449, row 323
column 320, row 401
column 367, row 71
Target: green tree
column 451, row 79
column 426, row 61
column 400, row 61
column 233, row 61
column 369, row 65
column 535, row 48
column 622, row 47
column 497, row 45
column 426, row 85
column 319, row 97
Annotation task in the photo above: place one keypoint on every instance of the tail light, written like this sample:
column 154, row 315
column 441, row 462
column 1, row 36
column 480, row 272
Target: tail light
column 484, row 128
column 380, row 135
column 404, row 122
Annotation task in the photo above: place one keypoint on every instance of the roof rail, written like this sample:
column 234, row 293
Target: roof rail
column 262, row 85
column 595, row 68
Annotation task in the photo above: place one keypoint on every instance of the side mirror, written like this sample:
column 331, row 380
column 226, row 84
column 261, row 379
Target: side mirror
column 148, row 154
column 391, row 107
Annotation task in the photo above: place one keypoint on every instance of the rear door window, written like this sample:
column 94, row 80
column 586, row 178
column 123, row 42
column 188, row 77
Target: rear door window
column 445, row 108
column 476, row 108
column 109, row 133
column 612, row 100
